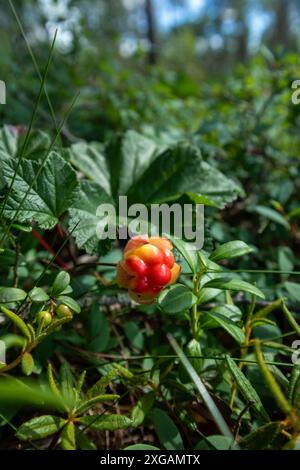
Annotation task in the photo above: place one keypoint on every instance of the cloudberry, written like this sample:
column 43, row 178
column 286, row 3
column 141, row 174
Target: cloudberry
column 147, row 267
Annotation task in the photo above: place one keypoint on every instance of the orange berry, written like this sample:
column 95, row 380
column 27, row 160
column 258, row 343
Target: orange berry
column 150, row 254
column 135, row 242
column 175, row 272
column 161, row 242
column 123, row 277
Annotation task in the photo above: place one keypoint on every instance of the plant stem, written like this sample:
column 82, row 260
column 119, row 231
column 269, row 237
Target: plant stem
column 270, row 380
column 245, row 346
column 194, row 316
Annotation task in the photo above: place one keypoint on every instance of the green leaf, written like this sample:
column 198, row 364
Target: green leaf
column 286, row 258
column 27, row 363
column 290, row 318
column 166, row 430
column 142, row 409
column 68, row 441
column 37, row 145
column 50, row 196
column 215, row 443
column 229, row 311
column 207, row 294
column 40, row 427
column 8, row 258
column 90, row 160
column 128, row 157
column 214, row 411
column 224, row 283
column 189, row 254
column 294, row 387
column 8, row 142
column 179, row 170
column 116, row 167
column 293, row 289
column 11, row 294
column 215, row 318
column 29, row 392
column 230, row 250
column 176, row 299
column 141, row 447
column 69, row 302
column 52, row 382
column 106, row 422
column 18, row 322
column 84, row 219
column 60, row 283
column 207, row 264
column 194, row 349
column 83, row 441
column 246, row 389
column 122, row 371
column 272, row 215
column 100, row 386
column 98, row 330
column 263, row 438
column 134, row 334
column 66, row 379
column 87, row 404
column 38, row 295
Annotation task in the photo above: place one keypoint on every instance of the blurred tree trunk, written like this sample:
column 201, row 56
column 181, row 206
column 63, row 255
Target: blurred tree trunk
column 281, row 35
column 151, row 32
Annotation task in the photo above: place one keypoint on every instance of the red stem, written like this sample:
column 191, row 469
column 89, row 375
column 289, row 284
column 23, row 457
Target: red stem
column 47, row 247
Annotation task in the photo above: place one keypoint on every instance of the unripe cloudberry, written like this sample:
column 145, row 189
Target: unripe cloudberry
column 147, row 267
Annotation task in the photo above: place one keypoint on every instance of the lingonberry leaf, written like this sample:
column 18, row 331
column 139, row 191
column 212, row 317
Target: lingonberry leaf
column 166, row 430
column 71, row 303
column 37, row 294
column 224, row 283
column 60, row 283
column 229, row 250
column 11, row 294
column 176, row 299
column 213, row 319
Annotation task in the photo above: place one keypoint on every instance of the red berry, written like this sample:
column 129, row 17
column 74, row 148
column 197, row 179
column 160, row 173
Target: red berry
column 169, row 258
column 140, row 285
column 136, row 265
column 159, row 275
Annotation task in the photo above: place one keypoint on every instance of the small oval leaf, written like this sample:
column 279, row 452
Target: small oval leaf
column 176, row 299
